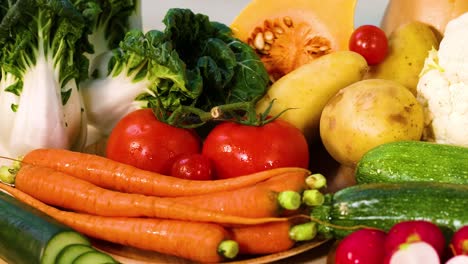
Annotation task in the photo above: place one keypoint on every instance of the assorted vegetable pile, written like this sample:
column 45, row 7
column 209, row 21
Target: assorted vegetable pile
column 215, row 142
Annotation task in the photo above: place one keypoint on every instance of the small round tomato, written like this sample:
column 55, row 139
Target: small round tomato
column 141, row 140
column 236, row 149
column 192, row 167
column 371, row 42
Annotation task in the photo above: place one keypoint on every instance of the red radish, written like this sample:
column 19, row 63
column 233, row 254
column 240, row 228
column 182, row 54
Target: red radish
column 459, row 242
column 460, row 259
column 364, row 246
column 415, row 253
column 414, row 231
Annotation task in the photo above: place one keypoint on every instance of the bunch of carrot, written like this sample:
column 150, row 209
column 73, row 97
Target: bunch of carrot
column 205, row 221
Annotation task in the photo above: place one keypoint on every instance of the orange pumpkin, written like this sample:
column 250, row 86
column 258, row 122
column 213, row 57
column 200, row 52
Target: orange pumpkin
column 288, row 34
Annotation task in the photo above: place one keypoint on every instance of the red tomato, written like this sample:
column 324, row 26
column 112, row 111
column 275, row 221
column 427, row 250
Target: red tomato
column 141, row 140
column 371, row 42
column 192, row 167
column 237, row 149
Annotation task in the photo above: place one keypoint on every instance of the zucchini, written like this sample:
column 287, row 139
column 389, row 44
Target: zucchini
column 28, row 236
column 408, row 161
column 95, row 257
column 381, row 205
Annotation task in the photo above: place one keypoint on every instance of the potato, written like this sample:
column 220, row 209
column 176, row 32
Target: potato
column 366, row 114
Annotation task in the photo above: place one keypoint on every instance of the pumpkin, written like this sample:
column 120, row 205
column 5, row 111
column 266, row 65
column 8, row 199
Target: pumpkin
column 436, row 13
column 288, row 34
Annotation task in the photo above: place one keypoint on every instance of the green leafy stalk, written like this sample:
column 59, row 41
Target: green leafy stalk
column 42, row 44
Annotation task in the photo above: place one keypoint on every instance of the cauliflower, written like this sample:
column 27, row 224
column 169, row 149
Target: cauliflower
column 443, row 87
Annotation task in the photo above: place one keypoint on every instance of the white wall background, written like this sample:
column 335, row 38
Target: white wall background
column 153, row 11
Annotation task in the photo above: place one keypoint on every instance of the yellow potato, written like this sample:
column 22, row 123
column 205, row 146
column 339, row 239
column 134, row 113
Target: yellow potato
column 306, row 90
column 408, row 47
column 366, row 114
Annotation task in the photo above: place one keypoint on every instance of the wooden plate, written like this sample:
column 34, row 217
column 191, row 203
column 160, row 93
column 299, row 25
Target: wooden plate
column 129, row 255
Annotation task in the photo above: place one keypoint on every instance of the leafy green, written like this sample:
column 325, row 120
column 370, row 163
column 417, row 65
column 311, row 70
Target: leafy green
column 107, row 22
column 42, row 45
column 27, row 34
column 230, row 69
column 184, row 71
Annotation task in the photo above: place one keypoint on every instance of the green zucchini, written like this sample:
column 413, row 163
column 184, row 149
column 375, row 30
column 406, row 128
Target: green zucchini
column 408, row 161
column 28, row 236
column 381, row 205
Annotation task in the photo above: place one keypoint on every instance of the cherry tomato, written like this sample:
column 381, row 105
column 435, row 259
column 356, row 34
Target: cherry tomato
column 192, row 167
column 141, row 140
column 238, row 149
column 371, row 42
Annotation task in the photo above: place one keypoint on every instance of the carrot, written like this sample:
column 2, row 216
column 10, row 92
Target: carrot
column 59, row 189
column 271, row 238
column 264, row 199
column 122, row 177
column 198, row 241
column 263, row 238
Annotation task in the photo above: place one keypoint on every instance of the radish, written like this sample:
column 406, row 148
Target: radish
column 415, row 231
column 415, row 253
column 460, row 259
column 459, row 242
column 364, row 246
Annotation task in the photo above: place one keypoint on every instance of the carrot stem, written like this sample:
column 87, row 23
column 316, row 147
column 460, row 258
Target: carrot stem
column 303, row 232
column 289, row 200
column 316, row 181
column 6, row 176
column 228, row 249
column 312, row 197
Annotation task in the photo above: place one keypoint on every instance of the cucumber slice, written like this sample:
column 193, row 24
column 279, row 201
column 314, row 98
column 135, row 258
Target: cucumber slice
column 29, row 236
column 95, row 257
column 71, row 252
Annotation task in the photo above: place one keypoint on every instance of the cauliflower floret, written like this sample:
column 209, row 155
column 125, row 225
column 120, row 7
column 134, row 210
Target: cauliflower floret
column 443, row 87
column 453, row 51
column 446, row 108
